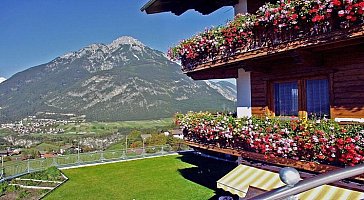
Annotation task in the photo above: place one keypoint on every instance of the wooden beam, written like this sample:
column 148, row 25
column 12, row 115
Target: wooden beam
column 306, row 58
column 178, row 7
column 219, row 73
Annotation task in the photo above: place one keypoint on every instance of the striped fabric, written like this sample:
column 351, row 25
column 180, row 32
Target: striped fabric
column 239, row 179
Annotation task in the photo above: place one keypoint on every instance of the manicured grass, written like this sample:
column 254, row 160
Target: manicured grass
column 169, row 177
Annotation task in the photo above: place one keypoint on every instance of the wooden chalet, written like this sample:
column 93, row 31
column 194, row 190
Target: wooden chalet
column 322, row 74
column 283, row 74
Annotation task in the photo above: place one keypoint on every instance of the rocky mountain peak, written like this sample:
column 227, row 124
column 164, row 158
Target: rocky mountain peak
column 124, row 40
column 106, row 49
column 95, row 46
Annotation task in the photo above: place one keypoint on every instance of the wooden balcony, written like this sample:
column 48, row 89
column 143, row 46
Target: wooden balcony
column 305, row 47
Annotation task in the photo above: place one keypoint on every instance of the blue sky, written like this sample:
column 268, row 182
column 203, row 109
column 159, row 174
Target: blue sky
column 34, row 32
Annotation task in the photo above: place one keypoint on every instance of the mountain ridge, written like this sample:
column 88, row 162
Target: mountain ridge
column 123, row 80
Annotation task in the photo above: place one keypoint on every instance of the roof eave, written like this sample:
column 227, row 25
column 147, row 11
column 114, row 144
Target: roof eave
column 149, row 3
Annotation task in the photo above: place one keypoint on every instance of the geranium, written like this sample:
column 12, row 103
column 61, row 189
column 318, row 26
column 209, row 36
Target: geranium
column 272, row 24
column 324, row 141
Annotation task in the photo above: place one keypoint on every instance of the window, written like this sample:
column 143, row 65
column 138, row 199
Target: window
column 314, row 100
column 286, row 98
column 317, row 93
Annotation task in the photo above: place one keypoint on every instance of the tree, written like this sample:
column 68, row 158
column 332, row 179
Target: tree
column 30, row 153
column 156, row 139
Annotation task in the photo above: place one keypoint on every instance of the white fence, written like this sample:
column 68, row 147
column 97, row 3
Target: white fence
column 12, row 169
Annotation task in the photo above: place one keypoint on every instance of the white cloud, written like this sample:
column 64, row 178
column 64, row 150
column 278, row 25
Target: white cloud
column 2, row 79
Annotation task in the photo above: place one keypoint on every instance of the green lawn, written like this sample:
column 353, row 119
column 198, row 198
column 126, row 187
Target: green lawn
column 169, row 177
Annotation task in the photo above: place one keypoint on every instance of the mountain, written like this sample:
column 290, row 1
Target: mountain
column 225, row 88
column 124, row 80
column 2, row 79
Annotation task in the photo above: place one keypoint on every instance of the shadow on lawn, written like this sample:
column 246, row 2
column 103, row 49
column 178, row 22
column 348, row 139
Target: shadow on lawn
column 206, row 172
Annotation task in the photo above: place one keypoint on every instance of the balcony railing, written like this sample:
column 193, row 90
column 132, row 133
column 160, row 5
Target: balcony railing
column 274, row 28
column 269, row 41
column 289, row 191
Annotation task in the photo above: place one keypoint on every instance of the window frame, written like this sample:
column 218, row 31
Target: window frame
column 274, row 98
column 302, row 97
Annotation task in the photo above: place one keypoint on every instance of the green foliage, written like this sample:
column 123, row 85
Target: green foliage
column 51, row 174
column 116, row 146
column 7, row 159
column 5, row 187
column 156, row 139
column 47, row 147
column 5, row 132
column 176, row 143
column 135, row 135
column 31, row 153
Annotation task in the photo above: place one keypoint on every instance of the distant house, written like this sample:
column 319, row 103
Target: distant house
column 46, row 154
column 177, row 134
column 49, row 155
column 4, row 153
column 42, row 153
column 16, row 152
column 65, row 148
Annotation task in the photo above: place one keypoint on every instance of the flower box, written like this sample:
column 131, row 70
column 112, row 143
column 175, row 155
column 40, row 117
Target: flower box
column 314, row 145
column 271, row 26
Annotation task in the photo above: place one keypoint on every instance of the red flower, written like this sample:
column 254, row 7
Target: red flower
column 321, row 157
column 294, row 16
column 349, row 140
column 340, row 141
column 313, row 10
column 336, row 2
